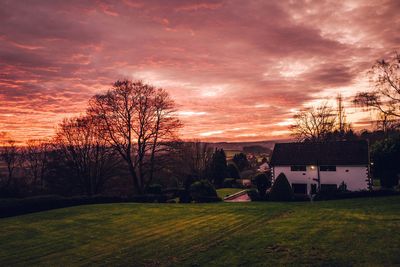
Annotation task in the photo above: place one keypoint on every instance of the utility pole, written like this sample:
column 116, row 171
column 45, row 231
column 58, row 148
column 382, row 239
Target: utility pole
column 341, row 114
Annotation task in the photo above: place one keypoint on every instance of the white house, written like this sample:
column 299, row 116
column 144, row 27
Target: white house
column 310, row 167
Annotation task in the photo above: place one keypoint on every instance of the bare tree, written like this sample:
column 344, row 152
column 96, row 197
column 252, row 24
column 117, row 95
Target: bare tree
column 165, row 127
column 387, row 123
column 137, row 119
column 36, row 159
column 196, row 158
column 82, row 143
column 314, row 124
column 385, row 96
column 11, row 156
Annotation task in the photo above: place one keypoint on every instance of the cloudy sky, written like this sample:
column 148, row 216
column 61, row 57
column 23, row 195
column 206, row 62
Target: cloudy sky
column 238, row 70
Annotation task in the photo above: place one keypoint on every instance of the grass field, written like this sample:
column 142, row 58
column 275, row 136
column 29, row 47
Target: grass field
column 358, row 232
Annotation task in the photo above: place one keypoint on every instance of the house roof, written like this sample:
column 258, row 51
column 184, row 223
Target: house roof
column 327, row 153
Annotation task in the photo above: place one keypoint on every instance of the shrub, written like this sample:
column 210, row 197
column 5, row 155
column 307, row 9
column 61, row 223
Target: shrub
column 253, row 194
column 356, row 194
column 229, row 183
column 155, row 189
column 233, row 171
column 202, row 190
column 342, row 187
column 18, row 206
column 241, row 161
column 184, row 196
column 281, row 190
column 263, row 182
column 12, row 207
column 385, row 156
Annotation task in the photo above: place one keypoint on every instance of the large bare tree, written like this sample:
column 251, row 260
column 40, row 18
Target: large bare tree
column 314, row 124
column 138, row 120
column 82, row 144
column 385, row 96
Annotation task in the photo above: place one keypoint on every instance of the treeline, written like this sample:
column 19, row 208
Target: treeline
column 126, row 144
column 127, row 137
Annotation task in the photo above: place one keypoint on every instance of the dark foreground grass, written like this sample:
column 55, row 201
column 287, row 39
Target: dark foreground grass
column 360, row 232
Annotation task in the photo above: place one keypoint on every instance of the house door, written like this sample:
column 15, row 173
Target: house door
column 313, row 189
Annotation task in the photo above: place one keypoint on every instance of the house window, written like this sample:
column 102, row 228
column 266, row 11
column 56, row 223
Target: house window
column 298, row 168
column 299, row 188
column 327, row 168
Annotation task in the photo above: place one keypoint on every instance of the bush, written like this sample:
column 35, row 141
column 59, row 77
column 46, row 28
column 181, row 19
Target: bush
column 385, row 156
column 155, row 189
column 233, row 171
column 253, row 194
column 229, row 183
column 17, row 206
column 263, row 182
column 202, row 190
column 281, row 190
column 184, row 196
column 356, row 194
column 13, row 207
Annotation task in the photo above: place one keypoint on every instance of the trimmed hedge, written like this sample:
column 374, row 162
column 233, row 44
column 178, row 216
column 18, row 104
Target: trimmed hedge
column 203, row 191
column 18, row 206
column 358, row 194
column 281, row 189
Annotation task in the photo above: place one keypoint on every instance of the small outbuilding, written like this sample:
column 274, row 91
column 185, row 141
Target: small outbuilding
column 310, row 167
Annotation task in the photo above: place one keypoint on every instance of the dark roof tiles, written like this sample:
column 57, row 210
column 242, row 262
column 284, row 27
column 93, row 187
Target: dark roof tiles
column 328, row 153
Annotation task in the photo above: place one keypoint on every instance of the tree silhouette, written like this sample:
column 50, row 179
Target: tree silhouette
column 137, row 119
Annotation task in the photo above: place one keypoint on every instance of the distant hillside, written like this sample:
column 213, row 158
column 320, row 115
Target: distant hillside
column 239, row 145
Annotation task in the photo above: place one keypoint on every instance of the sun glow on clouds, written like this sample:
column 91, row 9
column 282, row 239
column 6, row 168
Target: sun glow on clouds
column 211, row 133
column 292, row 69
column 191, row 113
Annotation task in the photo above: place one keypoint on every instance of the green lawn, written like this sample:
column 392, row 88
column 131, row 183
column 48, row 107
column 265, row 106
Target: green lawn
column 223, row 192
column 360, row 232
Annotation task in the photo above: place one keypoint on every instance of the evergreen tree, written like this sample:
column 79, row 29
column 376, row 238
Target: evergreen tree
column 241, row 161
column 232, row 171
column 218, row 167
column 281, row 190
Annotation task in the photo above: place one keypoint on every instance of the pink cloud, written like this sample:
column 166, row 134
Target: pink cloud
column 229, row 64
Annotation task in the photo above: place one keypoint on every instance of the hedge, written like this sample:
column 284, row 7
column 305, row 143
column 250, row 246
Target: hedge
column 18, row 206
column 356, row 194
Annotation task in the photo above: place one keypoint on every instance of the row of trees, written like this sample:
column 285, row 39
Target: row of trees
column 129, row 129
column 126, row 141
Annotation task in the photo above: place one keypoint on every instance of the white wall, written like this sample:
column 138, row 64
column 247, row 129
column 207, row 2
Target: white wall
column 356, row 177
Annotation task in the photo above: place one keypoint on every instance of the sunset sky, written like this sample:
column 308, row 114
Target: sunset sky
column 238, row 70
